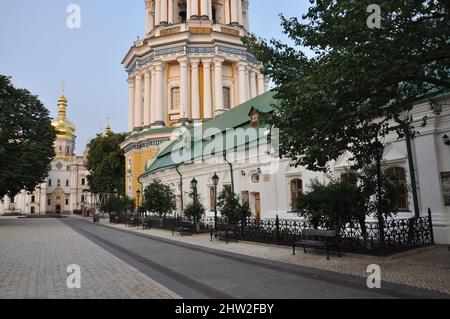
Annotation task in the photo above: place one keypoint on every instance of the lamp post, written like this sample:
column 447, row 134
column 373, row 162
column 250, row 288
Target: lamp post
column 194, row 184
column 215, row 180
column 378, row 151
column 138, row 194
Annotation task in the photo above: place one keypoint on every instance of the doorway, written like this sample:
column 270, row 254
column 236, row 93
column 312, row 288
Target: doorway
column 33, row 210
column 257, row 203
column 58, row 209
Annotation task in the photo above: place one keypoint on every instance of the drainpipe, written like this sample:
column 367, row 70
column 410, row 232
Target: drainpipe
column 412, row 170
column 231, row 170
column 181, row 186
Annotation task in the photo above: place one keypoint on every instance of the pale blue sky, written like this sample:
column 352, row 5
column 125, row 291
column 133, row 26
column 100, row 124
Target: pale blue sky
column 38, row 51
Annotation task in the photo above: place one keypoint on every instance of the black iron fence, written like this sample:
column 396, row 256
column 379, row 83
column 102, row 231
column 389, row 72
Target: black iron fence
column 399, row 234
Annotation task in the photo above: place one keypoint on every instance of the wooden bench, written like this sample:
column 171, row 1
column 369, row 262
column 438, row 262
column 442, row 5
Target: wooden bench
column 148, row 223
column 225, row 232
column 183, row 228
column 325, row 239
column 133, row 221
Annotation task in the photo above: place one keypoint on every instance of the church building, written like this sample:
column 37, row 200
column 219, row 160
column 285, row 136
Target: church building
column 65, row 190
column 191, row 81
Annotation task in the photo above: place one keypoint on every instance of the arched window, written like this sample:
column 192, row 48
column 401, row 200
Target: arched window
column 59, row 182
column 67, row 183
column 397, row 175
column 49, row 182
column 296, row 191
column 175, row 99
column 226, row 98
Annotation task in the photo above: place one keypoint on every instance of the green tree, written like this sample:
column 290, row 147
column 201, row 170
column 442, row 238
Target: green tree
column 159, row 198
column 228, row 203
column 106, row 163
column 118, row 205
column 195, row 210
column 333, row 205
column 342, row 82
column 26, row 139
column 390, row 191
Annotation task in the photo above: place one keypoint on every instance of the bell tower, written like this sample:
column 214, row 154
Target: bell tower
column 189, row 67
column 191, row 64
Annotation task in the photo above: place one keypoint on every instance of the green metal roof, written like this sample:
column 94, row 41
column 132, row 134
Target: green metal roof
column 232, row 119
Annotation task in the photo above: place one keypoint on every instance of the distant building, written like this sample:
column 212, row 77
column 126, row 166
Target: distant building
column 65, row 190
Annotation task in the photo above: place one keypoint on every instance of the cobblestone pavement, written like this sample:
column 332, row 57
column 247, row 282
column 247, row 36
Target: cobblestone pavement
column 427, row 268
column 35, row 254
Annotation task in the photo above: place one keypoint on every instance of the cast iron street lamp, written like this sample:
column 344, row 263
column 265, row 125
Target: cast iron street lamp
column 215, row 180
column 138, row 193
column 378, row 151
column 194, row 184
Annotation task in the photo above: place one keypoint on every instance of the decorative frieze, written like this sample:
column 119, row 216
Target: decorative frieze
column 141, row 62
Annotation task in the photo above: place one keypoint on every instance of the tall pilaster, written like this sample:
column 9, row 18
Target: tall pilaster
column 138, row 103
column 184, row 88
column 147, row 16
column 261, row 84
column 205, row 9
column 234, row 12
column 164, row 12
column 157, row 12
column 147, row 98
column 153, row 95
column 253, row 84
column 159, row 103
column 188, row 9
column 194, row 8
column 171, row 11
column 207, row 98
column 240, row 10
column 195, row 93
column 243, row 97
column 218, row 96
column 131, row 104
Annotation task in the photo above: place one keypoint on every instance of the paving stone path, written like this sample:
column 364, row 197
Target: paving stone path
column 34, row 255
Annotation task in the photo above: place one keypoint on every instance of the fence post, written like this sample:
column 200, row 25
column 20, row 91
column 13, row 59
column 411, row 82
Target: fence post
column 277, row 226
column 430, row 221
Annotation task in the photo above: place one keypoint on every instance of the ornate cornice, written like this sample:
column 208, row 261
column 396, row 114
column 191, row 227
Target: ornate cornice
column 188, row 50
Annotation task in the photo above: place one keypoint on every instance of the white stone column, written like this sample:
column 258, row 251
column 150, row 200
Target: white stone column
column 226, row 8
column 147, row 17
column 210, row 9
column 171, row 11
column 147, row 98
column 159, row 93
column 194, row 8
column 130, row 104
column 207, row 98
column 234, row 12
column 157, row 12
column 243, row 92
column 195, row 93
column 153, row 96
column 240, row 10
column 163, row 12
column 184, row 88
column 253, row 84
column 188, row 9
column 218, row 96
column 138, row 102
column 204, row 9
column 261, row 84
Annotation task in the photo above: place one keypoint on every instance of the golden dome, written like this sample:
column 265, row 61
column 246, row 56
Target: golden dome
column 65, row 129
